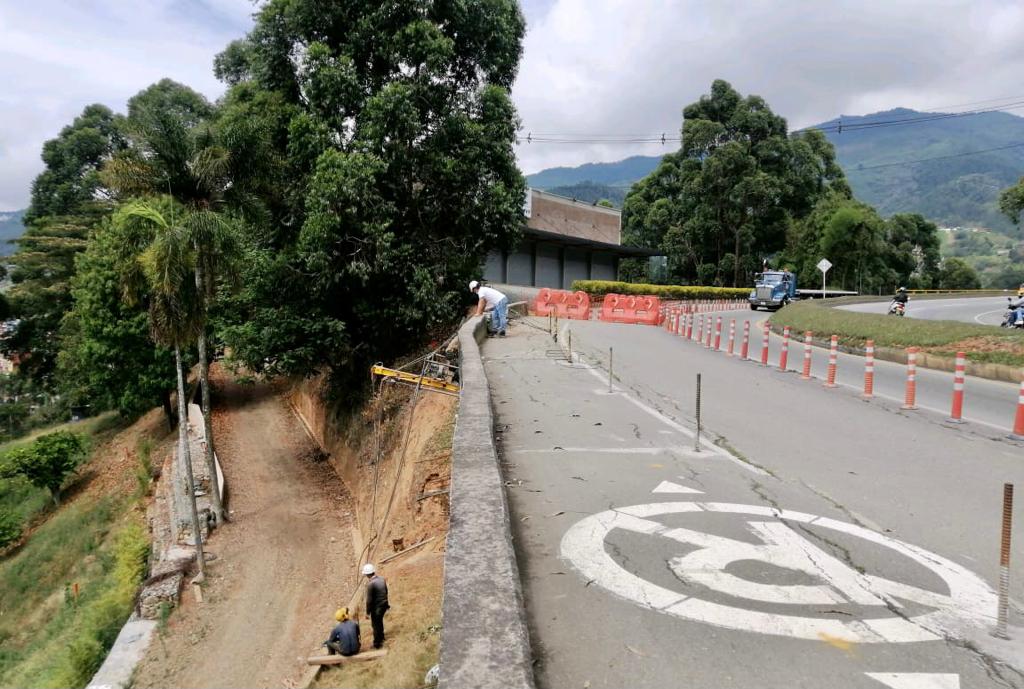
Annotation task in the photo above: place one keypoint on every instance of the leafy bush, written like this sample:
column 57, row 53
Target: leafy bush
column 10, row 528
column 47, row 462
column 596, row 288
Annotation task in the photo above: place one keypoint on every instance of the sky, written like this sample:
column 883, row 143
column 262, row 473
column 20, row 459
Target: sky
column 589, row 67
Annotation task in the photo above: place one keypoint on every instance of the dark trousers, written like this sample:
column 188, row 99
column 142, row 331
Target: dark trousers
column 334, row 647
column 377, row 620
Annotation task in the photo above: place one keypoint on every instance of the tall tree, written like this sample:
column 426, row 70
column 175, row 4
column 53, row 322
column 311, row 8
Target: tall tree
column 159, row 259
column 394, row 134
column 107, row 360
column 724, row 201
column 172, row 147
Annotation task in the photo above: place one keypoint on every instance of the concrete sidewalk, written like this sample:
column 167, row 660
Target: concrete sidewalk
column 812, row 545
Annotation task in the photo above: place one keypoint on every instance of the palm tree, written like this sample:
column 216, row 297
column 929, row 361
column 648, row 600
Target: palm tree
column 158, row 260
column 174, row 150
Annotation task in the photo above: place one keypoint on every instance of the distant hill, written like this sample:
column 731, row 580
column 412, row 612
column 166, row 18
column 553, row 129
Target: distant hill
column 960, row 191
column 619, row 174
column 10, row 228
column 591, row 192
column 955, row 191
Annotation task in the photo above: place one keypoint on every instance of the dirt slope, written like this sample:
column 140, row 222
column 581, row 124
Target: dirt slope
column 282, row 564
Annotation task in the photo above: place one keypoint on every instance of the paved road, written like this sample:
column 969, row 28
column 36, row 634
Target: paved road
column 983, row 310
column 990, row 405
column 821, row 540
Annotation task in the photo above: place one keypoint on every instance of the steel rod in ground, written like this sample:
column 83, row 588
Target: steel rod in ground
column 610, row 369
column 696, row 436
column 1004, row 564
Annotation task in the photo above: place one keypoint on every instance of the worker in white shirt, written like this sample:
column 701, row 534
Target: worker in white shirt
column 492, row 298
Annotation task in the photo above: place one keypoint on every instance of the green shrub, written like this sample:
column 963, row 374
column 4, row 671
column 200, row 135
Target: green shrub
column 47, row 462
column 10, row 528
column 596, row 288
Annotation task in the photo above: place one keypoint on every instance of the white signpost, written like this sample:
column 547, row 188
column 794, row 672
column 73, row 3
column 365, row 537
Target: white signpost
column 824, row 265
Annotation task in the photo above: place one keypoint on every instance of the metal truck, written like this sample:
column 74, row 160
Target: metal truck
column 773, row 289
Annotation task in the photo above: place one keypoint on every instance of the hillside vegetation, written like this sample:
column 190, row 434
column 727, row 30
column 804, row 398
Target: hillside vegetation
column 11, row 227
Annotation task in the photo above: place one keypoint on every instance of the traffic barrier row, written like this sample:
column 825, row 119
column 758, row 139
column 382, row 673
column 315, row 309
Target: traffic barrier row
column 621, row 308
column 698, row 328
column 572, row 305
column 707, row 305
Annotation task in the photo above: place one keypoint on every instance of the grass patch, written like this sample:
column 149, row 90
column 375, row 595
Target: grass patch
column 982, row 343
column 92, row 427
column 54, row 634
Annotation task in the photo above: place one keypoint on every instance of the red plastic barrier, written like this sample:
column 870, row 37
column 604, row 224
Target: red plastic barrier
column 619, row 308
column 573, row 305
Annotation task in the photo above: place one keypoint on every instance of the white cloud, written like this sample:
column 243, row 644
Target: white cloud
column 589, row 66
column 57, row 56
column 629, row 67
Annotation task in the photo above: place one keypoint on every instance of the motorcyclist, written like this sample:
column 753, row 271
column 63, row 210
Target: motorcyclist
column 899, row 301
column 1015, row 313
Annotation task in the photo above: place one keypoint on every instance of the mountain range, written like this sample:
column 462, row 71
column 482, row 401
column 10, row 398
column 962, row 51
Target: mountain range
column 956, row 186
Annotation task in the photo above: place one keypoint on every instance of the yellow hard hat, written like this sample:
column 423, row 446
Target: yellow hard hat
column 341, row 614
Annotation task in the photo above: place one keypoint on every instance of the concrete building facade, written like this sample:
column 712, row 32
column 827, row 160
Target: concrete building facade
column 563, row 240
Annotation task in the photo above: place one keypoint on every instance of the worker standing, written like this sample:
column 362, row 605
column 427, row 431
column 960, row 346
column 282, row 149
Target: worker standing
column 494, row 299
column 376, row 602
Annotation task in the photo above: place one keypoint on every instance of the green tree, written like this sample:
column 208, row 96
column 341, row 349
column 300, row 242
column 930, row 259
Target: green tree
column 68, row 199
column 173, row 146
column 955, row 273
column 724, row 201
column 47, row 462
column 393, row 138
column 913, row 249
column 107, row 359
column 853, row 241
column 159, row 256
column 1011, row 201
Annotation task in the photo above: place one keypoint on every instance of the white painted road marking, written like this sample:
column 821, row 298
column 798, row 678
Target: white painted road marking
column 968, row 604
column 916, row 680
column 670, row 487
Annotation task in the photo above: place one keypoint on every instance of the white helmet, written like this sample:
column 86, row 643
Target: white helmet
column 368, row 569
column 473, row 284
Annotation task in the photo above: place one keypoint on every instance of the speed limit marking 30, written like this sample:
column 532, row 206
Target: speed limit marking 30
column 967, row 604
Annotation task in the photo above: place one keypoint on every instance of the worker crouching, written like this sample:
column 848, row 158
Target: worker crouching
column 344, row 638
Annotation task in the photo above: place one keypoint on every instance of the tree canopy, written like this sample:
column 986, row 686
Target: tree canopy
column 392, row 141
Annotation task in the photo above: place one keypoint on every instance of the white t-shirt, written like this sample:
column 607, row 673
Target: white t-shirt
column 490, row 295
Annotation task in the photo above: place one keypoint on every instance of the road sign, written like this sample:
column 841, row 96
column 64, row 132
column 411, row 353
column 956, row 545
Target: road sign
column 824, row 265
column 781, row 608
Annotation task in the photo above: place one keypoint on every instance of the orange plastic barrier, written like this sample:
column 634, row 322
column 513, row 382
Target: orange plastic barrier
column 572, row 305
column 619, row 308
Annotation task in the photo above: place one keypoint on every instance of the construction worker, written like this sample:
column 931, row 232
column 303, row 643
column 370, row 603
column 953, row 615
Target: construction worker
column 376, row 602
column 494, row 299
column 344, row 638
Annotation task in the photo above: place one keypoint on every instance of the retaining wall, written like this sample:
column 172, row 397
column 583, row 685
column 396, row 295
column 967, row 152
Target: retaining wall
column 484, row 637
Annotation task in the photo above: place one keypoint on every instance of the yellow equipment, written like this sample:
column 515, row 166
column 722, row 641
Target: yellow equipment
column 437, row 374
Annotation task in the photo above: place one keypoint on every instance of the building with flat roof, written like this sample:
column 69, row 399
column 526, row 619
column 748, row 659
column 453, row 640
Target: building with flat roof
column 563, row 240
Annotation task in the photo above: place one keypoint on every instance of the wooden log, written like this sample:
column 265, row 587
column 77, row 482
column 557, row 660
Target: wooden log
column 339, row 659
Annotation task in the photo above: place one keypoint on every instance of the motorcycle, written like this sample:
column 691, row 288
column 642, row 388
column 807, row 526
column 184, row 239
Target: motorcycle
column 897, row 308
column 1014, row 317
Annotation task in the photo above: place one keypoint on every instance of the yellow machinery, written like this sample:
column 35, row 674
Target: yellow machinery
column 436, row 374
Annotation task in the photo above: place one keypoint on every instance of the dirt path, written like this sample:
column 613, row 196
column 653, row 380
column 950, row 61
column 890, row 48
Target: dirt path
column 282, row 565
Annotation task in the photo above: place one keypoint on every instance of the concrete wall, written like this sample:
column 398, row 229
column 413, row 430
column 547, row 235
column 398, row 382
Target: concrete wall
column 574, row 219
column 521, row 265
column 603, row 267
column 549, row 266
column 577, row 266
column 484, row 637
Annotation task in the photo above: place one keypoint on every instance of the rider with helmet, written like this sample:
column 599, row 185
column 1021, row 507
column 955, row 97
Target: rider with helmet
column 902, row 296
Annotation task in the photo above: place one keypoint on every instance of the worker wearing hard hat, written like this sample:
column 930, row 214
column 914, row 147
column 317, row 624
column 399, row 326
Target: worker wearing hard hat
column 490, row 297
column 344, row 638
column 376, row 602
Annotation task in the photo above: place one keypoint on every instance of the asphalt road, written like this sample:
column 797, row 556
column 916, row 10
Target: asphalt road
column 816, row 539
column 983, row 310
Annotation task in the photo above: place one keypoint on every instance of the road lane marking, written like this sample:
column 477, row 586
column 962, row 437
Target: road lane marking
column 987, row 313
column 967, row 606
column 671, row 487
column 916, row 680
